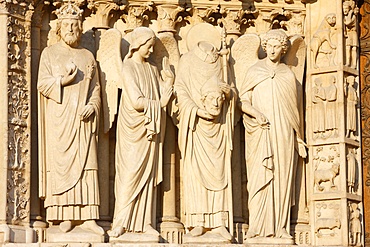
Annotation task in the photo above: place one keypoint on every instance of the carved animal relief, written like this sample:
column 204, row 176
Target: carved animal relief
column 327, row 168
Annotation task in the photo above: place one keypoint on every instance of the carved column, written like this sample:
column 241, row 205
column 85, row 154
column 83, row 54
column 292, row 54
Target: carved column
column 232, row 19
column 365, row 111
column 3, row 118
column 15, row 77
column 333, row 132
column 100, row 22
column 170, row 227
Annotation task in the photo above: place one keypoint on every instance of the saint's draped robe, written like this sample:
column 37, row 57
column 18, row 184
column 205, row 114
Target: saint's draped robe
column 271, row 153
column 205, row 147
column 140, row 137
column 67, row 144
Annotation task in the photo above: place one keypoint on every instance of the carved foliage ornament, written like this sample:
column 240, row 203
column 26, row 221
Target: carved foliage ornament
column 19, row 52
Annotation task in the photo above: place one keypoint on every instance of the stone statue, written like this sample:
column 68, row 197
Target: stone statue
column 318, row 108
column 351, row 170
column 352, row 100
column 355, row 224
column 350, row 12
column 331, row 106
column 140, row 135
column 69, row 105
column 205, row 141
column 269, row 100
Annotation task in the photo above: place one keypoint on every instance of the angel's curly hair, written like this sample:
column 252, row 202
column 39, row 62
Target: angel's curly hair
column 278, row 35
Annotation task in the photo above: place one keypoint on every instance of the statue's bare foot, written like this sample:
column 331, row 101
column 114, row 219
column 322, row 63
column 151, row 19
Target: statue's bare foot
column 151, row 231
column 92, row 226
column 116, row 232
column 65, row 226
column 197, row 231
column 223, row 232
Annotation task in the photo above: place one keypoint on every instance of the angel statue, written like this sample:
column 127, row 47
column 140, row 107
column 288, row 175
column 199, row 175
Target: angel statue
column 140, row 131
column 269, row 98
column 205, row 138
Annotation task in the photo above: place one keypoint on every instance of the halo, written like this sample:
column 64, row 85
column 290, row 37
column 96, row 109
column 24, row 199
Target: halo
column 203, row 32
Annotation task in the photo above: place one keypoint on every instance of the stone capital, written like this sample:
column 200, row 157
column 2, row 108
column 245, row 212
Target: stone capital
column 168, row 16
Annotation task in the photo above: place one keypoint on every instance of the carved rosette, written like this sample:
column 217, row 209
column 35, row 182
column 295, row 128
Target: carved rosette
column 19, row 52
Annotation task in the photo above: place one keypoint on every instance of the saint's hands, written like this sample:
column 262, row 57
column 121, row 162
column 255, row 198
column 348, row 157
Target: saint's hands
column 226, row 88
column 204, row 114
column 301, row 148
column 87, row 112
column 262, row 121
column 69, row 76
column 167, row 75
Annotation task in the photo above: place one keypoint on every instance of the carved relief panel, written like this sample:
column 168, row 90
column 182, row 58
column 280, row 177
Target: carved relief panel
column 327, row 222
column 18, row 185
column 326, row 162
column 325, row 113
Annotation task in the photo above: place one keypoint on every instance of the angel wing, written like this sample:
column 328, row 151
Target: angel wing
column 295, row 57
column 166, row 46
column 244, row 53
column 110, row 61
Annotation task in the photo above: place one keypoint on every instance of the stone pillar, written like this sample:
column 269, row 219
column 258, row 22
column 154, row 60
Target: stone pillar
column 232, row 19
column 99, row 22
column 365, row 111
column 335, row 170
column 3, row 118
column 170, row 227
column 15, row 82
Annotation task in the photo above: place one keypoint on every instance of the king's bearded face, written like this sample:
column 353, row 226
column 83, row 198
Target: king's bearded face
column 70, row 31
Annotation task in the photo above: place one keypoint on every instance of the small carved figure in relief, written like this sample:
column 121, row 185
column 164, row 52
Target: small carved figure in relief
column 321, row 36
column 140, row 134
column 273, row 138
column 205, row 139
column 350, row 12
column 352, row 100
column 355, row 225
column 318, row 108
column 331, row 106
column 351, row 173
column 69, row 106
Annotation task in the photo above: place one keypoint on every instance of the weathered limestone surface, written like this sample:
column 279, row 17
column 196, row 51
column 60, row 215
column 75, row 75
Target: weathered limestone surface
column 364, row 77
column 327, row 202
